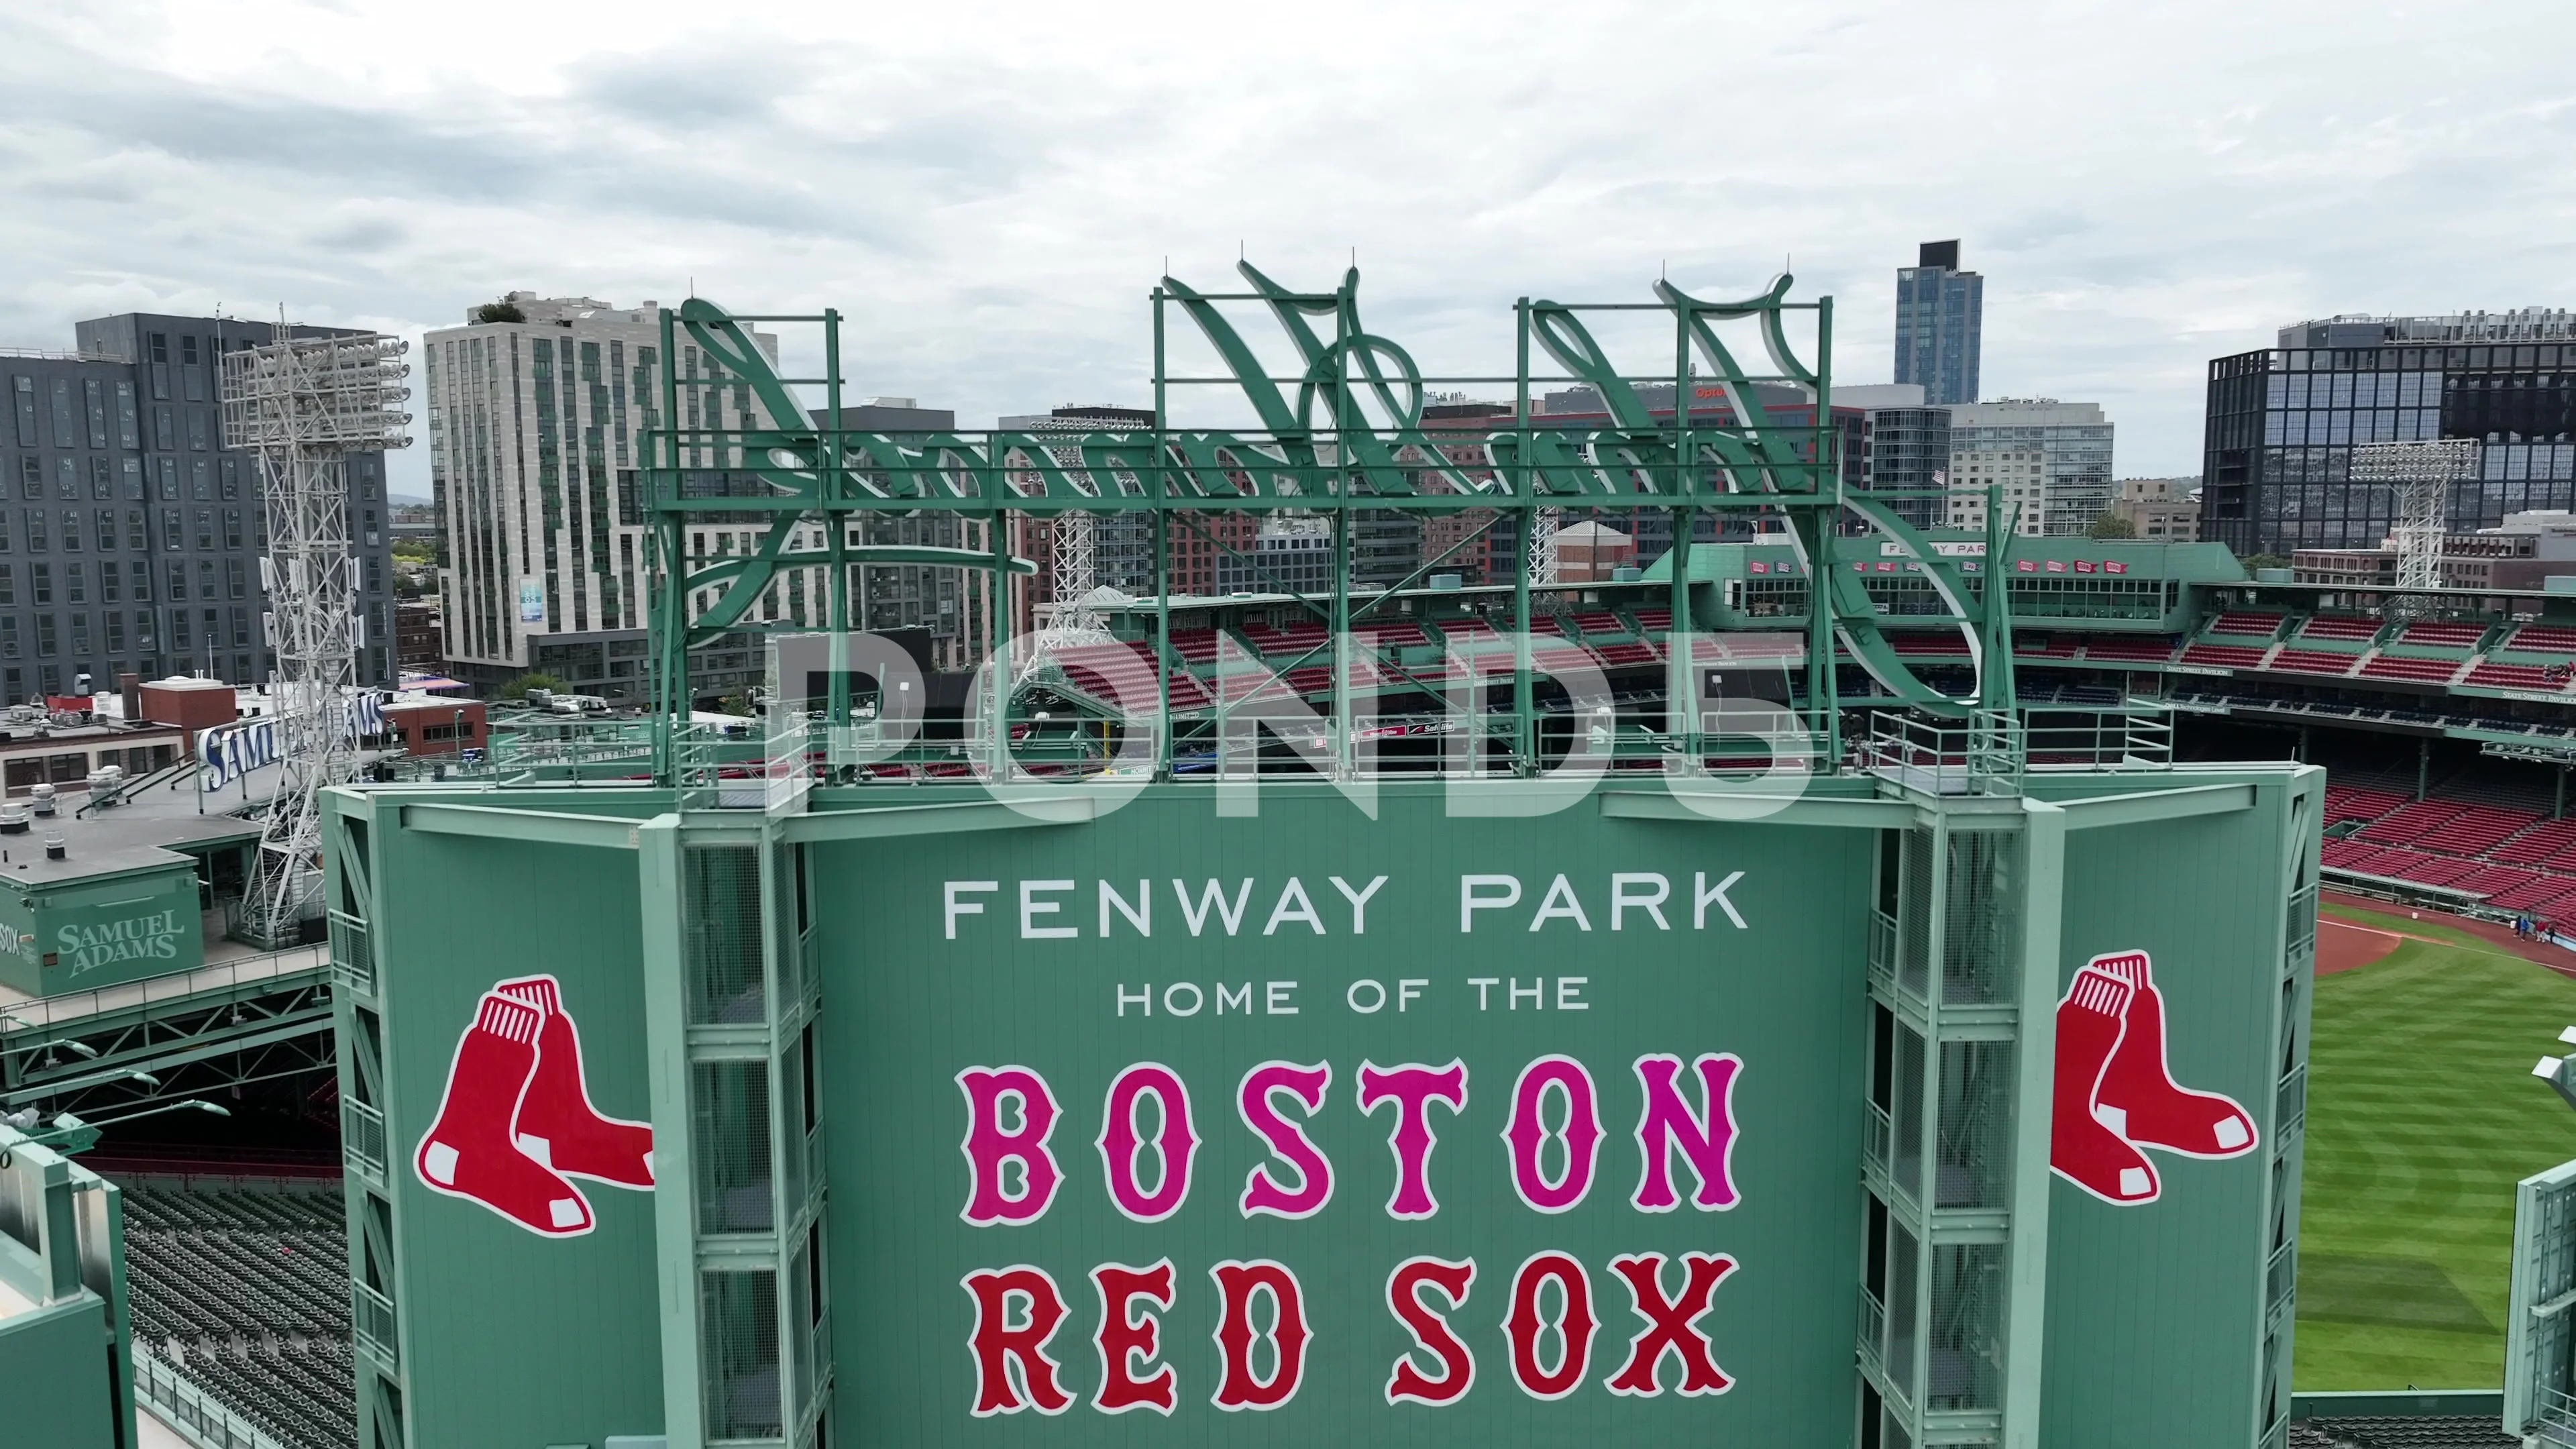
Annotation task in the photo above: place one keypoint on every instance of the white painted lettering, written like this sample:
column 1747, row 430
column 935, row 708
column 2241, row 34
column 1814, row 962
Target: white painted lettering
column 1469, row 902
column 958, row 908
column 1549, row 910
column 1031, row 908
column 1622, row 900
column 1139, row 915
column 1359, row 900
column 1282, row 913
column 1702, row 893
column 1212, row 899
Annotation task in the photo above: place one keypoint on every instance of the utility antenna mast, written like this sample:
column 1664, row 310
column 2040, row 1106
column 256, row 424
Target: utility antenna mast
column 303, row 404
column 2419, row 476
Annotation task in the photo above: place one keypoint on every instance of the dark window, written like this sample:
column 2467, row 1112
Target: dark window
column 178, row 581
column 232, row 528
column 9, row 637
column 45, row 638
column 140, row 574
column 67, row 477
column 80, row 633
column 174, row 533
column 115, row 631
column 76, row 580
column 205, row 578
column 42, row 579
column 36, row 531
column 106, row 520
column 179, row 629
column 241, row 639
column 134, row 538
column 31, row 477
column 99, row 484
column 110, row 582
column 205, row 528
column 233, row 586
column 8, row 583
column 71, row 530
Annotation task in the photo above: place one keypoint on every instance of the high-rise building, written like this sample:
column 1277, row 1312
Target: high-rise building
column 1940, row 321
column 535, row 455
column 2282, row 423
column 2053, row 459
column 135, row 538
column 1908, row 447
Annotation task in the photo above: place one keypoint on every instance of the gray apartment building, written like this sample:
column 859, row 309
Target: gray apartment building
column 130, row 537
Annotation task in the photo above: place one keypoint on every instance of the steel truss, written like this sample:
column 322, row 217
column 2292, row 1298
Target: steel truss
column 303, row 404
column 185, row 1045
column 1345, row 434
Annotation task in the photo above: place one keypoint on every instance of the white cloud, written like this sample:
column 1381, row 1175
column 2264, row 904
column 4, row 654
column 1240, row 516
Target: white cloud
column 988, row 191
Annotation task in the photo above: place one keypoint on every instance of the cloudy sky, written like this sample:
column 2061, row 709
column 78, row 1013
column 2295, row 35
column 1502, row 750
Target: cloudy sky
column 990, row 190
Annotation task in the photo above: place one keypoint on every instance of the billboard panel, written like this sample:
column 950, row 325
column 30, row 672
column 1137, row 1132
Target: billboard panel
column 1303, row 1127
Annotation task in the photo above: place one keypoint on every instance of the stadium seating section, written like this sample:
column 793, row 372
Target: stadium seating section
column 2333, row 626
column 2427, row 1432
column 2257, row 626
column 247, row 1293
column 2222, row 656
column 2516, row 858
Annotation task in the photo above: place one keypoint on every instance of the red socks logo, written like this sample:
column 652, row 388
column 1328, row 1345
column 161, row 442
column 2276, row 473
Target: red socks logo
column 516, row 1123
column 2114, row 1094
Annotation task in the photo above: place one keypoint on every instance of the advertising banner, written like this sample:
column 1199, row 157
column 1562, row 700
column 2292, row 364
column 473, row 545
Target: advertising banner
column 1309, row 1128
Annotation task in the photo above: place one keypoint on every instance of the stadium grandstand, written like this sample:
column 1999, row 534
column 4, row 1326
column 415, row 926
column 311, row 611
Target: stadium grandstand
column 166, row 1109
column 2447, row 737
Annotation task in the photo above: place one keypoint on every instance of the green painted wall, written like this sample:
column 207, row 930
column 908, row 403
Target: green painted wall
column 87, row 934
column 509, row 1337
column 53, row 1377
column 2156, row 1313
column 907, row 1009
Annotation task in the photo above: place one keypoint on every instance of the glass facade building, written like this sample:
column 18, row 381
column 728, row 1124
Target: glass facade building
column 1940, row 324
column 2282, row 423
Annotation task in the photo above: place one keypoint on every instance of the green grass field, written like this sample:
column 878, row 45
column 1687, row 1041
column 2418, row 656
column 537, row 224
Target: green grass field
column 2422, row 1114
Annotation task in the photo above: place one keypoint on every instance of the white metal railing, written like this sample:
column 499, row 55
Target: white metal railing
column 1980, row 755
column 371, row 1320
column 158, row 990
column 2557, row 1422
column 353, row 958
column 362, row 1137
column 197, row 1415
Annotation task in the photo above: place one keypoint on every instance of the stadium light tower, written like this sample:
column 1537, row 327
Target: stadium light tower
column 302, row 405
column 2419, row 476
